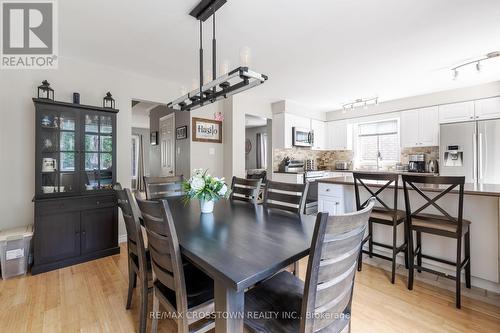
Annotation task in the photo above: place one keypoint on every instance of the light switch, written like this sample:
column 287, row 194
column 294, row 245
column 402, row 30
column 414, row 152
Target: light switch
column 211, row 151
column 178, row 150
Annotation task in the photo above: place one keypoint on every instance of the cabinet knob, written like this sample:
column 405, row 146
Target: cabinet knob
column 97, row 202
column 336, row 203
column 328, row 190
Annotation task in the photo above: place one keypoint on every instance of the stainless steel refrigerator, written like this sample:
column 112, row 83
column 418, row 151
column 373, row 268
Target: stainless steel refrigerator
column 471, row 149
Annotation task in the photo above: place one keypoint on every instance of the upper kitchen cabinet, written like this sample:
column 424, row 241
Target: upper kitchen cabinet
column 339, row 135
column 420, row 127
column 456, row 112
column 488, row 108
column 283, row 124
column 319, row 134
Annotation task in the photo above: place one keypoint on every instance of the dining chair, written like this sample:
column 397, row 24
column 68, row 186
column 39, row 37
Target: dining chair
column 289, row 197
column 323, row 302
column 387, row 214
column 245, row 189
column 162, row 187
column 182, row 289
column 285, row 196
column 139, row 264
column 444, row 225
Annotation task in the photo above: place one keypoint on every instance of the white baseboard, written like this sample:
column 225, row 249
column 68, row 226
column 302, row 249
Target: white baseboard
column 122, row 238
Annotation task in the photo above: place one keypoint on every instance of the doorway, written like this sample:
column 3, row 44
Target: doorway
column 167, row 145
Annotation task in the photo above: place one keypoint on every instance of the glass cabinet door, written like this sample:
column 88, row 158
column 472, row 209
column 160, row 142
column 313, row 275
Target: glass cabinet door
column 58, row 151
column 97, row 152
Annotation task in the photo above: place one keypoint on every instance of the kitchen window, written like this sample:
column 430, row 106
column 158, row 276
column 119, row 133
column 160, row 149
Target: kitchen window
column 377, row 144
column 135, row 155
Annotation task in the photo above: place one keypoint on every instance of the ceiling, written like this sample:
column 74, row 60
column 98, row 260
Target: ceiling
column 319, row 53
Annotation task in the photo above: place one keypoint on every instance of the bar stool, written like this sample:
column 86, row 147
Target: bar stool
column 384, row 215
column 442, row 225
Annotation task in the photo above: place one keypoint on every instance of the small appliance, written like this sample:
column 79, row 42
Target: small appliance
column 302, row 137
column 433, row 166
column 342, row 165
column 311, row 165
column 49, row 164
column 417, row 163
column 295, row 166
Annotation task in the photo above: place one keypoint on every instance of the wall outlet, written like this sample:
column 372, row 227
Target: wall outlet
column 211, row 151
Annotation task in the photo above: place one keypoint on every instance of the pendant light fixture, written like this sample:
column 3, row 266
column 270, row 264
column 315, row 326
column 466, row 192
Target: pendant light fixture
column 228, row 84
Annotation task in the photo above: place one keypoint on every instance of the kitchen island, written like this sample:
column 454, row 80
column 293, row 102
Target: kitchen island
column 481, row 207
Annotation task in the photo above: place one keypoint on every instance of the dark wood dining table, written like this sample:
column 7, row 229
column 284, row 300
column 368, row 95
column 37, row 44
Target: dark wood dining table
column 239, row 245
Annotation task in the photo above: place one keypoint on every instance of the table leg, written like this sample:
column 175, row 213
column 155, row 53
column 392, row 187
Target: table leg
column 229, row 308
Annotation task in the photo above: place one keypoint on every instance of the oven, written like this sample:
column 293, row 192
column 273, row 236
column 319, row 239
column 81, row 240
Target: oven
column 302, row 137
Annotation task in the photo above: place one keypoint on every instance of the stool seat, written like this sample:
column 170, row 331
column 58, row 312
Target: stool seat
column 437, row 223
column 386, row 217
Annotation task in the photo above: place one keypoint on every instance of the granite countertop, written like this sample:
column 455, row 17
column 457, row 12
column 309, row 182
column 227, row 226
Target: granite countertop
column 386, row 171
column 290, row 173
column 491, row 190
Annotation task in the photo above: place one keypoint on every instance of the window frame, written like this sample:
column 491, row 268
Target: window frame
column 135, row 153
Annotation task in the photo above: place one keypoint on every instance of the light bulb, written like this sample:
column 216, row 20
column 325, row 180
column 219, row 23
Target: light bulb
column 245, row 56
column 195, row 84
column 478, row 67
column 207, row 76
column 224, row 67
column 183, row 90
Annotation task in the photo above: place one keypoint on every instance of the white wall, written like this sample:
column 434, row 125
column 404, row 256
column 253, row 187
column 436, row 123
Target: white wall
column 443, row 97
column 140, row 120
column 17, row 127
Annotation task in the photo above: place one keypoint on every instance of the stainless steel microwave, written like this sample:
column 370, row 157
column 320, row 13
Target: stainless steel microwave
column 302, row 137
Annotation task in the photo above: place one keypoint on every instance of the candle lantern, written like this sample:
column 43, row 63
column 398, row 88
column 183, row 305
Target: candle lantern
column 45, row 91
column 108, row 101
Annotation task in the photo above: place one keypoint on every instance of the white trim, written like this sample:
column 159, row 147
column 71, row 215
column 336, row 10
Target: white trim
column 122, row 238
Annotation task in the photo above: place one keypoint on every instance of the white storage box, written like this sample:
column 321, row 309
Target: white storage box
column 15, row 250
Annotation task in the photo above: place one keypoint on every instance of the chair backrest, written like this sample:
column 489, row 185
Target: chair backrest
column 164, row 249
column 326, row 305
column 385, row 180
column 445, row 183
column 285, row 196
column 131, row 214
column 245, row 189
column 162, row 187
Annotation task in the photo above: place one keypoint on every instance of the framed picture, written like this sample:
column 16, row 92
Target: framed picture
column 207, row 130
column 153, row 139
column 181, row 132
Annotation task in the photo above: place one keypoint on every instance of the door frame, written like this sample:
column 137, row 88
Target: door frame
column 171, row 115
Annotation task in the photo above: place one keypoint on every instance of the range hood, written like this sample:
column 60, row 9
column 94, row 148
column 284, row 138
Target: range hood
column 236, row 81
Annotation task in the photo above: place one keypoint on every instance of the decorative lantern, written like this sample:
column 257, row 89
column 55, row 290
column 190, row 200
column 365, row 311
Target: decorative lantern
column 108, row 101
column 45, row 91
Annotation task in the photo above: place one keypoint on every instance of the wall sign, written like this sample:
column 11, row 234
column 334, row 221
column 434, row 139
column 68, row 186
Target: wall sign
column 207, row 130
column 181, row 132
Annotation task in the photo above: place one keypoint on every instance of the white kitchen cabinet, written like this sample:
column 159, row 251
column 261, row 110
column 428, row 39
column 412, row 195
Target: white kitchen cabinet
column 318, row 127
column 283, row 124
column 420, row 127
column 331, row 205
column 488, row 108
column 456, row 112
column 291, row 178
column 339, row 135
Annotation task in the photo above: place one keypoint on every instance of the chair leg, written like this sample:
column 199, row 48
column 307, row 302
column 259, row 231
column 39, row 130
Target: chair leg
column 394, row 251
column 144, row 305
column 296, row 269
column 370, row 240
column 156, row 309
column 419, row 248
column 410, row 260
column 467, row 256
column 131, row 283
column 458, row 277
column 406, row 245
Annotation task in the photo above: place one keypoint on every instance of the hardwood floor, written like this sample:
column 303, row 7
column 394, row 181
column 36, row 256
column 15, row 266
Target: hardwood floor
column 91, row 297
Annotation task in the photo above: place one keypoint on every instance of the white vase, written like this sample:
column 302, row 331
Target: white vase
column 207, row 206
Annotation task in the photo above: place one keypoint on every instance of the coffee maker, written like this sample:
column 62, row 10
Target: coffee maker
column 416, row 163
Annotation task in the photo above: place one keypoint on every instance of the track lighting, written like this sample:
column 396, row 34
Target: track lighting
column 365, row 102
column 477, row 63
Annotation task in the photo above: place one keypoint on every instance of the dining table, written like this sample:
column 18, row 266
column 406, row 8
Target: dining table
column 239, row 245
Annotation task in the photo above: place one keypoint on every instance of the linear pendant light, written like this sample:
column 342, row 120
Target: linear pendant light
column 235, row 81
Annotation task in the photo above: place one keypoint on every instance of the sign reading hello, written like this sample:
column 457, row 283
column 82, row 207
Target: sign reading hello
column 207, row 130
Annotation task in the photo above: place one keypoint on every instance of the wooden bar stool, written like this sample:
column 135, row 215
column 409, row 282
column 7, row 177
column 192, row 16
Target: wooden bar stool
column 443, row 225
column 384, row 215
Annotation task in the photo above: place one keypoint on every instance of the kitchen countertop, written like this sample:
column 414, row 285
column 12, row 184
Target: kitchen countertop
column 387, row 171
column 491, row 190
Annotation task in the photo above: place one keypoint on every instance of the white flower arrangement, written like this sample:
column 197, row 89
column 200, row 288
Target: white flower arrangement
column 203, row 186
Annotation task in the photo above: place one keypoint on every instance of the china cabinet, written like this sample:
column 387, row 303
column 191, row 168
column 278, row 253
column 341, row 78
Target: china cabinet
column 76, row 217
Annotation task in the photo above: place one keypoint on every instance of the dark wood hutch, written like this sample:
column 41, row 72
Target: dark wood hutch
column 76, row 214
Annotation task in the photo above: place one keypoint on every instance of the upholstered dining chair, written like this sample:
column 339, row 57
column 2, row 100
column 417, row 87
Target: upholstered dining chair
column 162, row 187
column 139, row 265
column 323, row 302
column 245, row 189
column 180, row 288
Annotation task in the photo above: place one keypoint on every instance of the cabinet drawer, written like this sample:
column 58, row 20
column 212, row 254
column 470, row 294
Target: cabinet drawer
column 45, row 207
column 329, row 190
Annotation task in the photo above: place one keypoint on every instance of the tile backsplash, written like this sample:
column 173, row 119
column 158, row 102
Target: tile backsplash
column 327, row 159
